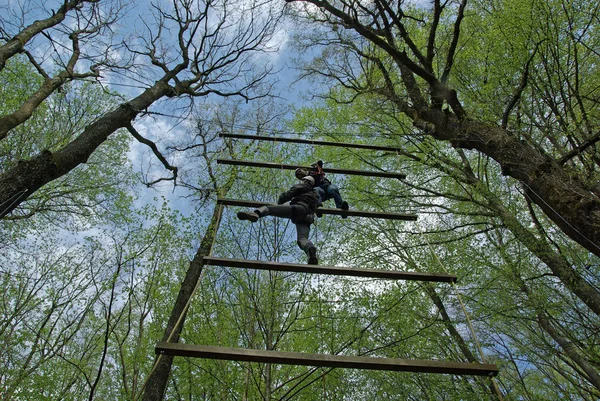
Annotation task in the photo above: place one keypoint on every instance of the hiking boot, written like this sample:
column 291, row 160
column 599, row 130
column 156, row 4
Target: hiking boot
column 344, row 206
column 252, row 216
column 262, row 211
column 312, row 256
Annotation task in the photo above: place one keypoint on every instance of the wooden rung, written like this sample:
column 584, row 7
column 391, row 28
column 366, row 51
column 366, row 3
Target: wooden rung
column 324, row 210
column 279, row 166
column 332, row 270
column 331, row 361
column 311, row 142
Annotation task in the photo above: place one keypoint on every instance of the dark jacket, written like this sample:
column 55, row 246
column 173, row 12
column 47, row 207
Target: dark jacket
column 301, row 194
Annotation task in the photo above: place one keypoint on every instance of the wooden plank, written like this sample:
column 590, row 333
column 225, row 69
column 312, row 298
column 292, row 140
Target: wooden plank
column 325, row 210
column 279, row 166
column 312, row 142
column 331, row 270
column 331, row 361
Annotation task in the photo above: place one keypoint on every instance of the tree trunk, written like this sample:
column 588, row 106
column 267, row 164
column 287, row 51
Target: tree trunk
column 544, row 321
column 18, row 183
column 23, row 113
column 570, row 349
column 157, row 382
column 562, row 197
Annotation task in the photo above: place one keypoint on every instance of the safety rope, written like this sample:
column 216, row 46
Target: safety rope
column 558, row 214
column 464, row 309
column 13, row 199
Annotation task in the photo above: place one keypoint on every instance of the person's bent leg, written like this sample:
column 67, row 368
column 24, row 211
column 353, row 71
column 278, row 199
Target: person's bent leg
column 303, row 231
column 322, row 195
column 280, row 211
column 334, row 192
column 255, row 215
column 322, row 198
column 286, row 211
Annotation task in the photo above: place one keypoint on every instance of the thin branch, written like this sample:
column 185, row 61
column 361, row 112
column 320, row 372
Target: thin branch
column 47, row 88
column 520, row 89
column 590, row 142
column 396, row 19
column 157, row 153
column 437, row 11
column 455, row 36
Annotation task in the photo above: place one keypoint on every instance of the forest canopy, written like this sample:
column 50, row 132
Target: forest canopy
column 112, row 117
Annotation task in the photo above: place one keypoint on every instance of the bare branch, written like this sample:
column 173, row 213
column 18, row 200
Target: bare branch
column 226, row 66
column 397, row 20
column 158, row 155
column 17, row 43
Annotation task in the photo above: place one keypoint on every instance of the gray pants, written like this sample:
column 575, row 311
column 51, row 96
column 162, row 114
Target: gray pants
column 300, row 216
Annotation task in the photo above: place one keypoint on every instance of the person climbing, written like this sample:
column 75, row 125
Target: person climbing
column 324, row 188
column 303, row 201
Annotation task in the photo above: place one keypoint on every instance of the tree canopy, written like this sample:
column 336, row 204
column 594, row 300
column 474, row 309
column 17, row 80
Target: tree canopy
column 111, row 118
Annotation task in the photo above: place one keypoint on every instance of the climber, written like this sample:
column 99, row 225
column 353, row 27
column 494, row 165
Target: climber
column 302, row 204
column 324, row 188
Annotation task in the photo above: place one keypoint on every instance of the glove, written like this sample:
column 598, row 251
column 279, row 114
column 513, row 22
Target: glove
column 281, row 200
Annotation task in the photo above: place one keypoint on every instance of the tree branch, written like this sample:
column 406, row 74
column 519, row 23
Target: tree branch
column 590, row 142
column 455, row 36
column 157, row 153
column 50, row 84
column 520, row 89
column 17, row 43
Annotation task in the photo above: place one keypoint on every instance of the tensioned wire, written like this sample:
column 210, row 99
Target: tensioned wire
column 374, row 134
column 464, row 309
column 12, row 200
column 559, row 215
column 568, row 245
